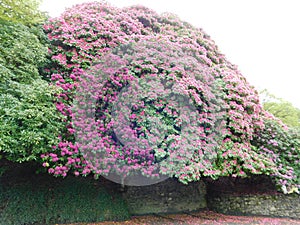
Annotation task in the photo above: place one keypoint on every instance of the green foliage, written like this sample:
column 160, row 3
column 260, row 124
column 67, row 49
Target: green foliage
column 49, row 200
column 22, row 52
column 21, row 11
column 29, row 122
column 282, row 109
column 282, row 146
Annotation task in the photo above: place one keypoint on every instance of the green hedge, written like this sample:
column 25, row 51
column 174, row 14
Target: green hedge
column 41, row 199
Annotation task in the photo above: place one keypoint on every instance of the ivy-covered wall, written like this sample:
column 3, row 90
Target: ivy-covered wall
column 29, row 198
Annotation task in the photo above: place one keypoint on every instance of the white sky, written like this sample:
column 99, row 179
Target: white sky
column 262, row 37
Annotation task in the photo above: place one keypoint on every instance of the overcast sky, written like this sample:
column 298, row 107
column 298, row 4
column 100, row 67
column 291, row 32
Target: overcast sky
column 262, row 37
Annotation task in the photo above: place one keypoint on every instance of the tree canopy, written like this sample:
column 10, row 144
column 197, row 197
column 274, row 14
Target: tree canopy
column 28, row 118
column 282, row 109
column 21, row 11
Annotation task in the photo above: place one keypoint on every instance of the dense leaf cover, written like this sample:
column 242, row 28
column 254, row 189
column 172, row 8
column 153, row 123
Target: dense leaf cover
column 21, row 11
column 29, row 121
column 226, row 135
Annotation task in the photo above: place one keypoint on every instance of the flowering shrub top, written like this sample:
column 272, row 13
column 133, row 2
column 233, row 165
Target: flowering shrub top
column 174, row 52
column 159, row 117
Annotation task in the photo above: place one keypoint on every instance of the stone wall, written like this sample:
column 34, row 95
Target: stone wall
column 234, row 197
column 279, row 205
column 251, row 196
column 169, row 196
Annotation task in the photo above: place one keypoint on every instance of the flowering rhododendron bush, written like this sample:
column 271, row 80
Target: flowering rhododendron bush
column 282, row 144
column 149, row 93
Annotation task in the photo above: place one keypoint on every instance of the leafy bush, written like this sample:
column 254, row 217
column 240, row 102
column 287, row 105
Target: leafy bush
column 177, row 53
column 30, row 124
